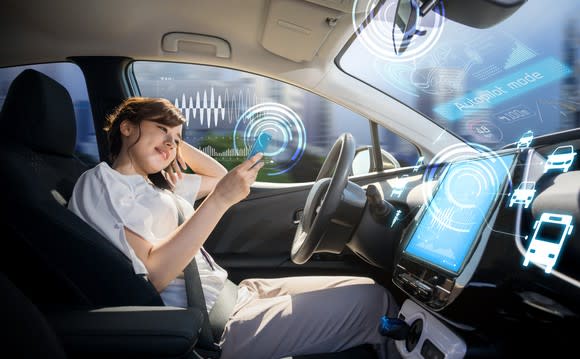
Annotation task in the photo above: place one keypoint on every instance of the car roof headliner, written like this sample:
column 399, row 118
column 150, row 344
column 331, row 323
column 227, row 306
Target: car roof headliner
column 38, row 31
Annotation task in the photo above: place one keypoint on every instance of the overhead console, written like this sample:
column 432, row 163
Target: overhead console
column 447, row 237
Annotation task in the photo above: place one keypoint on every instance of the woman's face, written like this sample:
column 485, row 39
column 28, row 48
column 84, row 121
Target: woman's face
column 152, row 148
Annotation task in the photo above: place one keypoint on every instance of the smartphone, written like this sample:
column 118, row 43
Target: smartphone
column 260, row 145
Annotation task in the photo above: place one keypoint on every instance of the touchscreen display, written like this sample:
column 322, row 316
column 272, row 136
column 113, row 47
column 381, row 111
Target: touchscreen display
column 450, row 224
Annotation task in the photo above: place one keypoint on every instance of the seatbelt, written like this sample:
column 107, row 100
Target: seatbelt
column 195, row 297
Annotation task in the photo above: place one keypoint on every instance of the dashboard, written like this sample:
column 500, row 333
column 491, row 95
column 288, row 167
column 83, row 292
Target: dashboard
column 486, row 258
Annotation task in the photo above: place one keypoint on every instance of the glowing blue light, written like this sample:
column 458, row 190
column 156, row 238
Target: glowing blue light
column 418, row 164
column 515, row 84
column 524, row 194
column 561, row 158
column 550, row 233
column 452, row 219
column 526, row 140
column 399, row 186
column 283, row 124
column 396, row 218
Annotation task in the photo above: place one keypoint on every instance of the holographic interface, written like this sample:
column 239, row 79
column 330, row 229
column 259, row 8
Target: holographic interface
column 282, row 126
column 550, row 232
column 420, row 162
column 396, row 217
column 524, row 194
column 526, row 140
column 260, row 144
column 560, row 159
column 399, row 186
column 451, row 222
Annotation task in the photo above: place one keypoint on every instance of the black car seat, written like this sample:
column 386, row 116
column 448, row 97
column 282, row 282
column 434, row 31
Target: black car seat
column 53, row 256
column 25, row 331
column 49, row 252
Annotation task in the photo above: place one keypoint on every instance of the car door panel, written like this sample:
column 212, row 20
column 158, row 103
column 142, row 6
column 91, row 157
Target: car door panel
column 254, row 237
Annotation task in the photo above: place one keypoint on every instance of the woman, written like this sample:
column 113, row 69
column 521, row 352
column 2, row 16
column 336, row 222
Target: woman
column 136, row 203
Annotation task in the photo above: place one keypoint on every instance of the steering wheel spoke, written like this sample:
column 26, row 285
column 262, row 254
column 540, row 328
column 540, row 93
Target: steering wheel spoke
column 324, row 199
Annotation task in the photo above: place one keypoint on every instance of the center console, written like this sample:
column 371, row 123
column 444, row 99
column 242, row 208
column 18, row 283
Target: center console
column 428, row 338
column 446, row 240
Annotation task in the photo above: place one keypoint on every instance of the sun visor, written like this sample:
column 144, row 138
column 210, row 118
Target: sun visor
column 480, row 13
column 297, row 29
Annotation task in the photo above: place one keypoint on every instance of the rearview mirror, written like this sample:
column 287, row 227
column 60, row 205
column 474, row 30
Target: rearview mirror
column 405, row 24
column 407, row 19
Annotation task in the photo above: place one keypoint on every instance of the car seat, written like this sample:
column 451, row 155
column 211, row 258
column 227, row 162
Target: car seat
column 53, row 256
column 50, row 253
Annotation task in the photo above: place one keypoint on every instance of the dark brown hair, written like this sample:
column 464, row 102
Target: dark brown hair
column 137, row 110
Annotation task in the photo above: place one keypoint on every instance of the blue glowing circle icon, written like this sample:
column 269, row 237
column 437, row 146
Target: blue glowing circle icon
column 466, row 183
column 288, row 135
column 376, row 30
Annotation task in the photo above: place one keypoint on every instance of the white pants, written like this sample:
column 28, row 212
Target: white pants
column 304, row 315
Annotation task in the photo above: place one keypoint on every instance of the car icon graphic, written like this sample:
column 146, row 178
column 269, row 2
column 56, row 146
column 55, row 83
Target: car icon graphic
column 524, row 194
column 561, row 158
column 550, row 232
column 420, row 162
column 526, row 140
column 399, row 186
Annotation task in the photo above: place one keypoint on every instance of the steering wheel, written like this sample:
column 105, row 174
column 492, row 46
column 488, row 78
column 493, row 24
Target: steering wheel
column 323, row 199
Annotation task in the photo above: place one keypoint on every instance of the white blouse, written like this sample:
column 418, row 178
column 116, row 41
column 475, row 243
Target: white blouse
column 109, row 201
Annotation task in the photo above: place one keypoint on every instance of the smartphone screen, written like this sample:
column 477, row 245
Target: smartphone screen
column 260, row 144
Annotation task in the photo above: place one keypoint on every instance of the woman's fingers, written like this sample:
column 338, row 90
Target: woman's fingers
column 255, row 169
column 247, row 164
column 235, row 186
column 176, row 169
column 182, row 162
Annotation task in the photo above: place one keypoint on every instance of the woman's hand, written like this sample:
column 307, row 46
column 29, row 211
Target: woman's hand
column 235, row 186
column 174, row 173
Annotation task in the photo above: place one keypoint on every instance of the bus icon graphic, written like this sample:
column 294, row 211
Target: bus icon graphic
column 550, row 232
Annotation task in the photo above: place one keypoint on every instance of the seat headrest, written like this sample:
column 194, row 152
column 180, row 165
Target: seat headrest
column 38, row 112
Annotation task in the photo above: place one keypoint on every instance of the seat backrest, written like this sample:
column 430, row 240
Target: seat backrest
column 25, row 331
column 50, row 253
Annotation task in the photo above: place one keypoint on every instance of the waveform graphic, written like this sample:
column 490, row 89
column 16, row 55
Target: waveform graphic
column 521, row 53
column 282, row 124
column 230, row 152
column 487, row 72
column 443, row 220
column 212, row 108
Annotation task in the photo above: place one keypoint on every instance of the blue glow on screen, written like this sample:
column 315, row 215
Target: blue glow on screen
column 458, row 209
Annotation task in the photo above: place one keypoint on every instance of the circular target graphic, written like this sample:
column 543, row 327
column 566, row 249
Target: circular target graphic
column 463, row 186
column 376, row 30
column 282, row 125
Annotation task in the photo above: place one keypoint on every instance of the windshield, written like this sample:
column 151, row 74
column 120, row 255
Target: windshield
column 487, row 86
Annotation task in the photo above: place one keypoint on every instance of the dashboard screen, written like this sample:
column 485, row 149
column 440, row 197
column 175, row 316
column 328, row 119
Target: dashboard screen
column 450, row 224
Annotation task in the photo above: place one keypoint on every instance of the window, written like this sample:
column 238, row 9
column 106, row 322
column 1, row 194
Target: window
column 227, row 109
column 489, row 86
column 71, row 77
